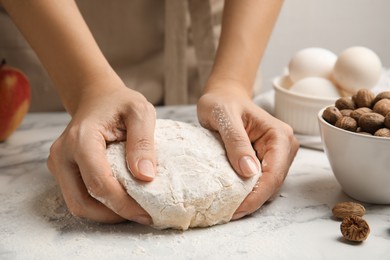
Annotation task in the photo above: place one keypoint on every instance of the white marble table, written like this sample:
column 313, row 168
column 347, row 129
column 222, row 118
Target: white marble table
column 35, row 224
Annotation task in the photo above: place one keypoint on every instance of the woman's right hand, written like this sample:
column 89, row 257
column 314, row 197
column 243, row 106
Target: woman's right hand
column 78, row 159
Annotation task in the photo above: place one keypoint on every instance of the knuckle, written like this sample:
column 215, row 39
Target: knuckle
column 295, row 145
column 75, row 133
column 54, row 157
column 239, row 139
column 141, row 108
column 143, row 145
column 54, row 148
column 77, row 137
column 50, row 165
column 144, row 106
column 288, row 132
column 285, row 132
column 138, row 97
column 239, row 142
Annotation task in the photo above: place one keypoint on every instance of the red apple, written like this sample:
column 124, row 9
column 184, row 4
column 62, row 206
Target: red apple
column 15, row 97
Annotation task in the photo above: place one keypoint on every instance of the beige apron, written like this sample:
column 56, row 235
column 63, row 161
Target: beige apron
column 163, row 49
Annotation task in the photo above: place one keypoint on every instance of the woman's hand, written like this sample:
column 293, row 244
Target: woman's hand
column 249, row 133
column 102, row 108
column 78, row 157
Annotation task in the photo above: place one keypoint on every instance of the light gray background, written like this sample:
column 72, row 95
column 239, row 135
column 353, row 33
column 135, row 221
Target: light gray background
column 332, row 24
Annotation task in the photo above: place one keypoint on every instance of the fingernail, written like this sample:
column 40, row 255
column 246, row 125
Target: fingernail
column 238, row 215
column 248, row 166
column 146, row 168
column 142, row 219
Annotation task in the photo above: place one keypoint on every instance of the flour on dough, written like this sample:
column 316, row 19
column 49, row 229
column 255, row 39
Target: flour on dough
column 195, row 185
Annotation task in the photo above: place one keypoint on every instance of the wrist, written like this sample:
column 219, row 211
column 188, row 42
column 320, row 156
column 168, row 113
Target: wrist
column 226, row 85
column 89, row 87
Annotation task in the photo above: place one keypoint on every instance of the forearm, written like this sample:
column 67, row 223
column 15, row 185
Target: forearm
column 64, row 44
column 246, row 29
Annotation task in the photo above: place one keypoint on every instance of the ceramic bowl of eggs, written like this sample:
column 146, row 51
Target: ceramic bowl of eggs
column 355, row 133
column 316, row 78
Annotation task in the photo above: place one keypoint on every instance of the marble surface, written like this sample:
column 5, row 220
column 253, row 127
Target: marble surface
column 35, row 224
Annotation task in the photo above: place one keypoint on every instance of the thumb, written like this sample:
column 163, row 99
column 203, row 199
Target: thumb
column 239, row 149
column 140, row 150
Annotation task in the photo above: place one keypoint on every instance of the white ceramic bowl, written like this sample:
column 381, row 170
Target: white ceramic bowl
column 298, row 110
column 360, row 163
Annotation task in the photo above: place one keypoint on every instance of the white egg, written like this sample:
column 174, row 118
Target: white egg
column 316, row 87
column 311, row 62
column 357, row 67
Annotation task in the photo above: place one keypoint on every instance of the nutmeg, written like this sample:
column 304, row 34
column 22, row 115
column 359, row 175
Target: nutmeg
column 380, row 96
column 355, row 228
column 387, row 120
column 371, row 122
column 346, row 112
column 360, row 111
column 347, row 123
column 345, row 103
column 383, row 132
column 364, row 98
column 345, row 209
column 363, row 113
column 331, row 115
column 382, row 107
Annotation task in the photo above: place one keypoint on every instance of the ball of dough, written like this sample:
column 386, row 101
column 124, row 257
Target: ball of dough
column 195, row 185
column 356, row 68
column 311, row 62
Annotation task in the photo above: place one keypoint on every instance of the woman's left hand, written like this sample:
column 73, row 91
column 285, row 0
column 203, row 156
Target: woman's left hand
column 250, row 134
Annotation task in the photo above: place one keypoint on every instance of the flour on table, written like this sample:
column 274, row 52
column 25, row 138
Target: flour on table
column 195, row 184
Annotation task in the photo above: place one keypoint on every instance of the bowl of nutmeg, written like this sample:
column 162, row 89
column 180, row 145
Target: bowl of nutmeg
column 355, row 133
